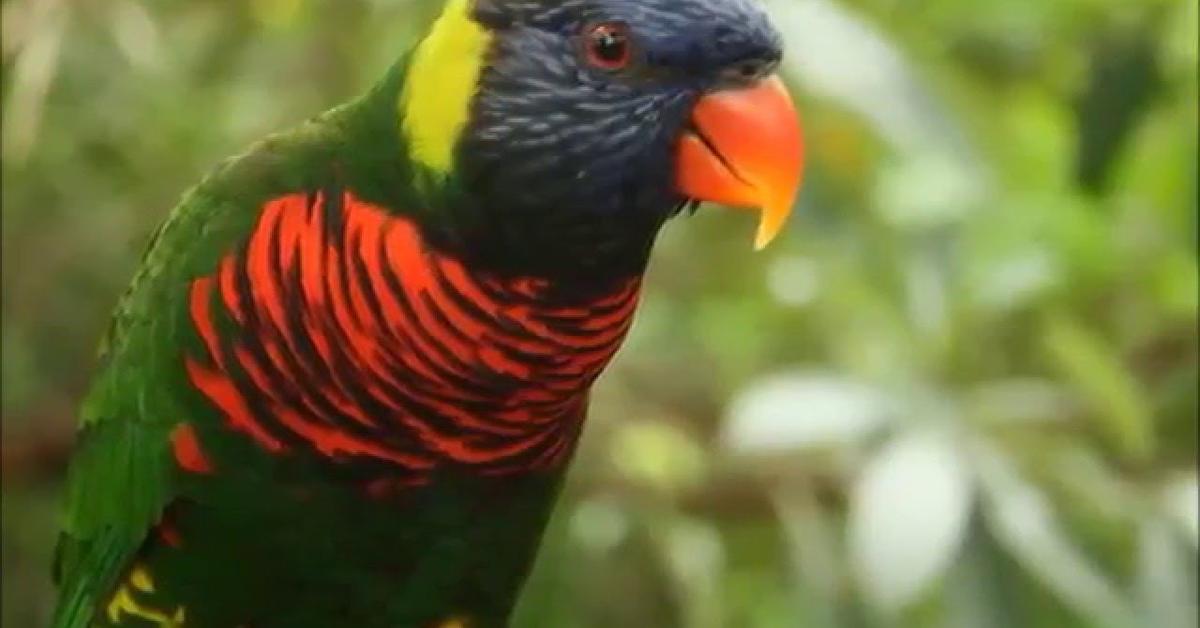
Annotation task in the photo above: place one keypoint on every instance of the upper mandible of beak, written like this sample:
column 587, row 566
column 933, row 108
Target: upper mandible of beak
column 745, row 149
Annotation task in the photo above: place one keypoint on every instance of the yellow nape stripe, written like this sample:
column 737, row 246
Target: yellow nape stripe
column 440, row 85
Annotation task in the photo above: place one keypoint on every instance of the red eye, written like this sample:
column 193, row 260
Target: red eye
column 608, row 46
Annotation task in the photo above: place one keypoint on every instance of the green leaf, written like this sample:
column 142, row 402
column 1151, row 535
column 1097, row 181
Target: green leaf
column 1118, row 404
column 1022, row 519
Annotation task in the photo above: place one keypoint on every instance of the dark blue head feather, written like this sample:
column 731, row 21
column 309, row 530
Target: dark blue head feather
column 577, row 160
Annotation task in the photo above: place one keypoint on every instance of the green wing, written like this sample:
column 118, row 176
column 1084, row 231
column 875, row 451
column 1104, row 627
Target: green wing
column 118, row 486
column 123, row 474
column 119, row 479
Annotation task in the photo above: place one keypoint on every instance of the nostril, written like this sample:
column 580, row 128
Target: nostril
column 748, row 70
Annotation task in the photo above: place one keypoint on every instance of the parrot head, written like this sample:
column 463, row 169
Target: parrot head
column 582, row 125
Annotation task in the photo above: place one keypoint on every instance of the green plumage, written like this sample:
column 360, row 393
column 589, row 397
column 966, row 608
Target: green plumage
column 333, row 557
column 345, row 384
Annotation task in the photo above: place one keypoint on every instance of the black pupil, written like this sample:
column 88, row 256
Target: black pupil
column 609, row 45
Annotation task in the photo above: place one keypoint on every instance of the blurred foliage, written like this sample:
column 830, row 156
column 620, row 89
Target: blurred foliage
column 960, row 392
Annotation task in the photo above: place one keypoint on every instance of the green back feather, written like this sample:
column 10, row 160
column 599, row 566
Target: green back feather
column 123, row 474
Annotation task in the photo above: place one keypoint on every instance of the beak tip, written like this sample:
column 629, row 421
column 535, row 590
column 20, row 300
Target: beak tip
column 772, row 221
column 762, row 241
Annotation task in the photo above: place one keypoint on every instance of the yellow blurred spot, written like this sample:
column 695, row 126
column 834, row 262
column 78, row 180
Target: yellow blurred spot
column 141, row 580
column 844, row 144
column 278, row 14
column 124, row 604
column 657, row 455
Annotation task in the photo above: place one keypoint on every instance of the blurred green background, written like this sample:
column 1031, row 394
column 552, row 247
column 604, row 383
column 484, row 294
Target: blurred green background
column 959, row 392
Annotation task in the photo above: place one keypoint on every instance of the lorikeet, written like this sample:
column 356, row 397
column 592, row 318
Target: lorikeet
column 345, row 383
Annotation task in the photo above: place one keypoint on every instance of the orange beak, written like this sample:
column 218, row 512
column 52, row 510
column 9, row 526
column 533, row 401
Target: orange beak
column 745, row 149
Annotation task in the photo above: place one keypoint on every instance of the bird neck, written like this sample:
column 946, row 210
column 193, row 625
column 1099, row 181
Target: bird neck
column 575, row 242
column 358, row 340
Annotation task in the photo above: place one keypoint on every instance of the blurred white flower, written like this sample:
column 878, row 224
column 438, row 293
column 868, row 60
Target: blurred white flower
column 908, row 516
column 1181, row 499
column 798, row 410
column 1163, row 574
column 1015, row 281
